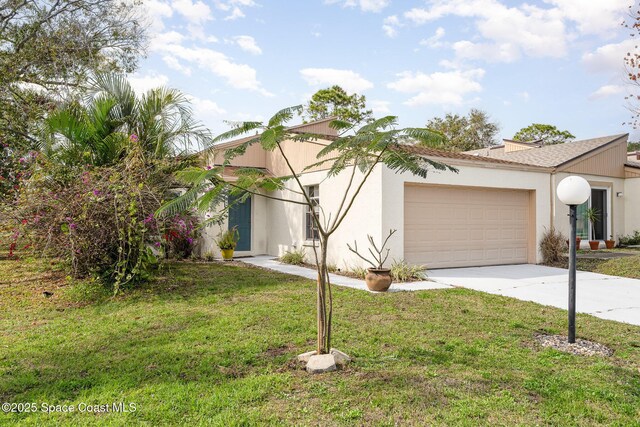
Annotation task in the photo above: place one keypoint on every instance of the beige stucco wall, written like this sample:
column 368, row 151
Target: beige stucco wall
column 259, row 231
column 632, row 205
column 393, row 191
column 286, row 224
column 279, row 227
column 618, row 204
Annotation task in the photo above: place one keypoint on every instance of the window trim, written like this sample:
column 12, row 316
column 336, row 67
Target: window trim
column 313, row 192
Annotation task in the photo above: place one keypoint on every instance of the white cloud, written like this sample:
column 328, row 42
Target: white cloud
column 524, row 95
column 248, row 44
column 390, row 25
column 155, row 13
column 195, row 13
column 364, row 5
column 511, row 31
column 444, row 88
column 607, row 90
column 204, row 109
column 434, row 40
column 600, row 17
column 161, row 39
column 503, row 52
column 609, row 58
column 349, row 80
column 505, row 32
column 239, row 76
column 237, row 13
column 142, row 83
column 174, row 64
column 235, row 6
column 379, row 107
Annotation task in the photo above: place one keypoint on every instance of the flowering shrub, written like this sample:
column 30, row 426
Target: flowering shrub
column 180, row 234
column 14, row 168
column 96, row 219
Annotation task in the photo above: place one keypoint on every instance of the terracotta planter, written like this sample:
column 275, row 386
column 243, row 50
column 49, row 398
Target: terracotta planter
column 578, row 240
column 594, row 244
column 610, row 244
column 378, row 280
column 227, row 254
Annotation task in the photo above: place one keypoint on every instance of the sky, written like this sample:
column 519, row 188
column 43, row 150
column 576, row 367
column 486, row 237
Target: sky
column 558, row 62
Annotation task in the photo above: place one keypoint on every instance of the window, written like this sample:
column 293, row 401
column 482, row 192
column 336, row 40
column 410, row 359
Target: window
column 598, row 231
column 582, row 223
column 311, row 231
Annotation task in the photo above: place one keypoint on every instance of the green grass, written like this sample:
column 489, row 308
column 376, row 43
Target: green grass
column 623, row 267
column 212, row 344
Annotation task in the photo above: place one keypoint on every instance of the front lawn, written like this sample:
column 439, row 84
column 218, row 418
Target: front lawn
column 623, row 267
column 213, row 344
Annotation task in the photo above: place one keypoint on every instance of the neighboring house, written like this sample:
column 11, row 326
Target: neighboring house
column 493, row 211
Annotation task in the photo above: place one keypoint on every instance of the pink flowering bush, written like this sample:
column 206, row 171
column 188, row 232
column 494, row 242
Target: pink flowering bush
column 180, row 234
column 97, row 219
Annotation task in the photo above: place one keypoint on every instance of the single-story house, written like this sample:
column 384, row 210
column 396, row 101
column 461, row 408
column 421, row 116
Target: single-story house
column 493, row 211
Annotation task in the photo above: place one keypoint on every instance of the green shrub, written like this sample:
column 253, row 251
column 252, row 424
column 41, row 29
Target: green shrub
column 631, row 239
column 552, row 246
column 295, row 257
column 358, row 271
column 97, row 220
column 403, row 271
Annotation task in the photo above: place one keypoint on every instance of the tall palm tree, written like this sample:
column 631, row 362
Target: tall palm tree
column 100, row 129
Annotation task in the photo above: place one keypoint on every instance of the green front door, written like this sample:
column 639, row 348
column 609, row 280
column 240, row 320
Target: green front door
column 240, row 217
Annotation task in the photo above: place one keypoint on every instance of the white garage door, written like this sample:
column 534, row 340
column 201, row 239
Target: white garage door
column 465, row 226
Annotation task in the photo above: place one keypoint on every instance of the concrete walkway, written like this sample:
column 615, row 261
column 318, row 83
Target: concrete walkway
column 607, row 297
column 272, row 263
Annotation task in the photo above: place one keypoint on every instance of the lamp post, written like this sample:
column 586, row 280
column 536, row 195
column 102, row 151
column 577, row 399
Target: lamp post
column 573, row 191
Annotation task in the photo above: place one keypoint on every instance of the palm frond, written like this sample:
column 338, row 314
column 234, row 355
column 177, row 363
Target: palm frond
column 284, row 115
column 238, row 129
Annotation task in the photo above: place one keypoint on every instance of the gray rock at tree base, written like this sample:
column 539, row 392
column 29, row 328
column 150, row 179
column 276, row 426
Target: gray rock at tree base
column 304, row 357
column 340, row 357
column 320, row 363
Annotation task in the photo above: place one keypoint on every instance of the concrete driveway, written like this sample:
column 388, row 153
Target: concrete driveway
column 608, row 297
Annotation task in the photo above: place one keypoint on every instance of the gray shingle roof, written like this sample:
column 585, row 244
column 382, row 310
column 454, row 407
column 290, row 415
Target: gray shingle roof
column 432, row 152
column 549, row 155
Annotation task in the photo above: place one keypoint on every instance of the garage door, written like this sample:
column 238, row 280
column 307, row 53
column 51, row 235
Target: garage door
column 465, row 226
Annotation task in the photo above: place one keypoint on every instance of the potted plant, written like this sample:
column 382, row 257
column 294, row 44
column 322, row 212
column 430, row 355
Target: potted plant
column 610, row 242
column 592, row 215
column 227, row 242
column 578, row 240
column 378, row 278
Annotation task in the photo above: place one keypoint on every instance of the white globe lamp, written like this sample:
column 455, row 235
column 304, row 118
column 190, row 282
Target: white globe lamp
column 573, row 191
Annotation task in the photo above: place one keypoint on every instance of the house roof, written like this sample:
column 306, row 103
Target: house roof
column 632, row 164
column 549, row 155
column 432, row 152
column 319, row 127
column 233, row 170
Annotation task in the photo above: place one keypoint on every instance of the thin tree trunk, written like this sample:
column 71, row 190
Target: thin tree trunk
column 323, row 319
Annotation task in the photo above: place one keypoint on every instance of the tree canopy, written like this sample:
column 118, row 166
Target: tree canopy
column 549, row 134
column 632, row 63
column 47, row 49
column 99, row 131
column 462, row 133
column 336, row 102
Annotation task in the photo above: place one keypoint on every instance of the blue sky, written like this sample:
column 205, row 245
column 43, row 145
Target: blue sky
column 552, row 61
